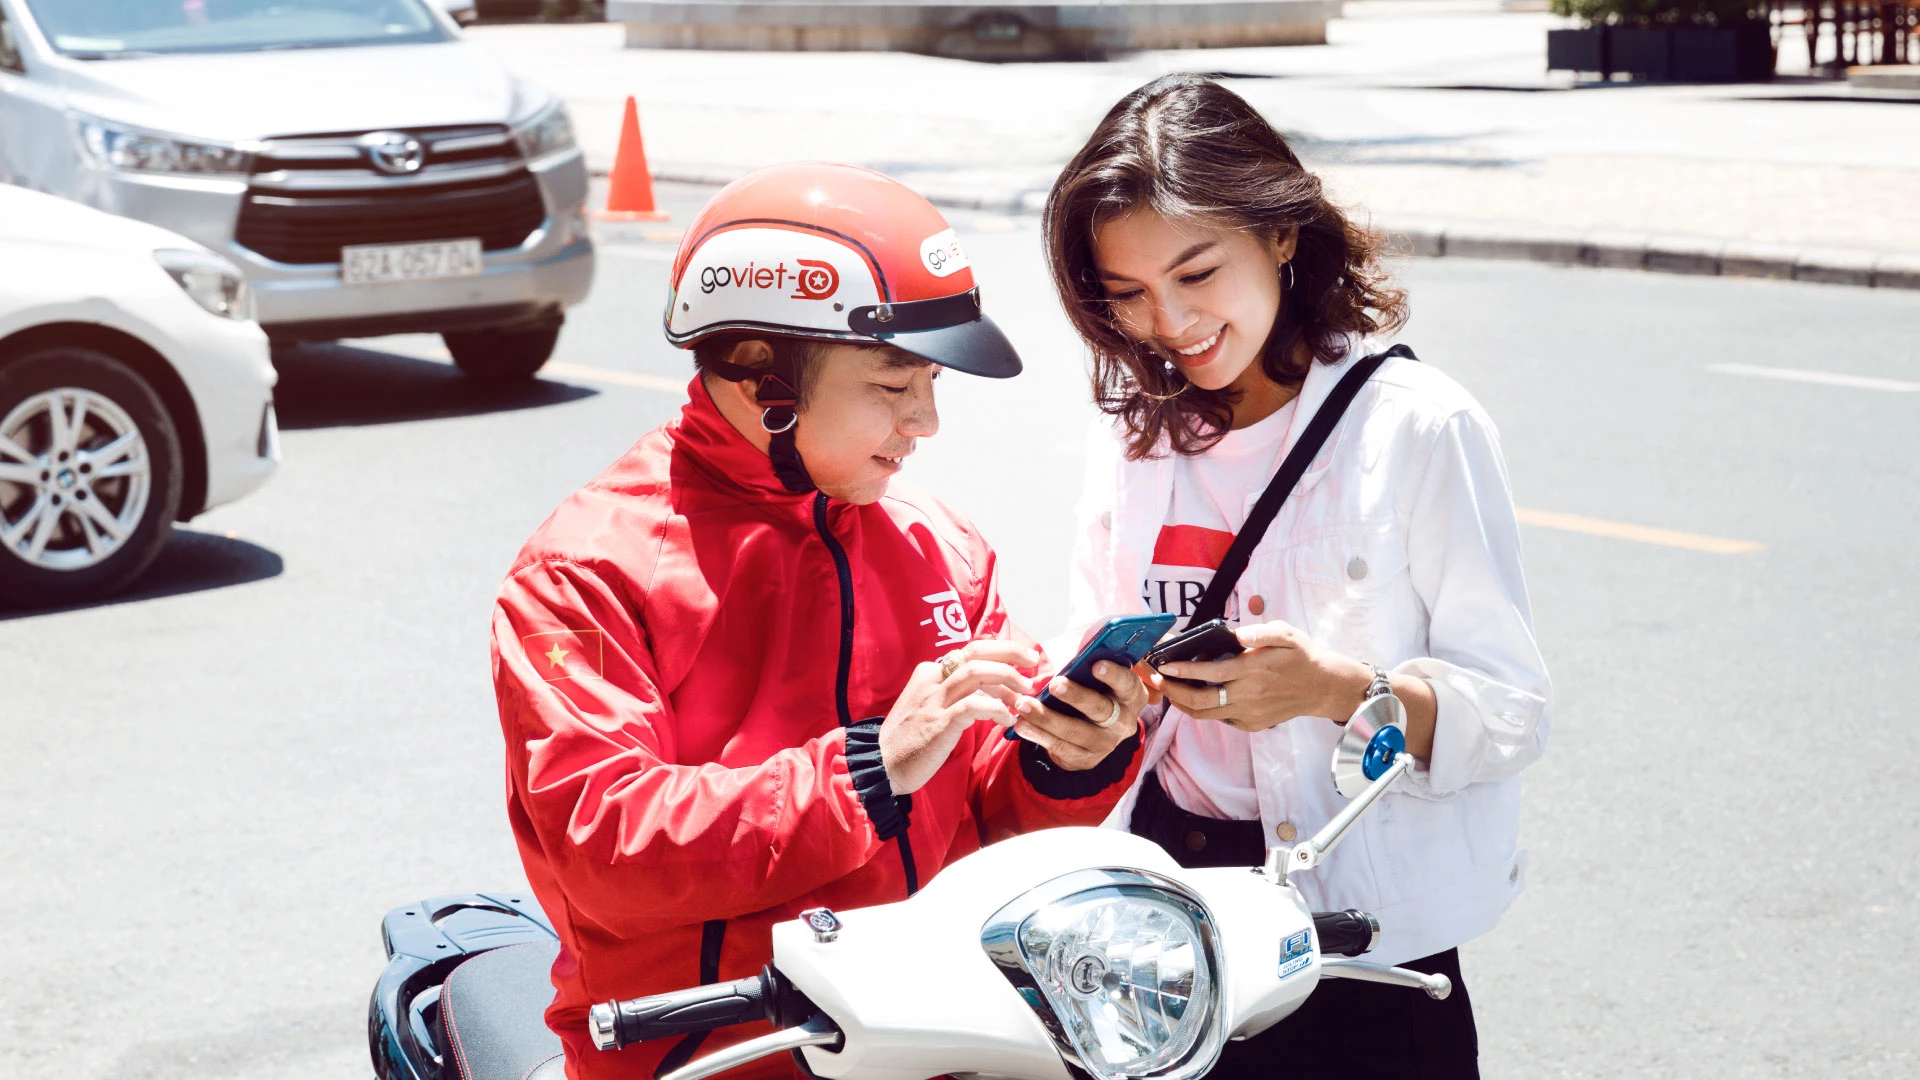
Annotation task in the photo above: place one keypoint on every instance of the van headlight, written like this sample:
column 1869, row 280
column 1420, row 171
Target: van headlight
column 1123, row 969
column 129, row 149
column 548, row 132
column 209, row 280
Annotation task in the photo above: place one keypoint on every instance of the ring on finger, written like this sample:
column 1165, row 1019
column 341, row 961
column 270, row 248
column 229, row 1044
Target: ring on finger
column 1223, row 697
column 1112, row 717
column 949, row 664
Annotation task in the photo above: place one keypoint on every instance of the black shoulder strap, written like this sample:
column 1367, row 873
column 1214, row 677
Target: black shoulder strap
column 1213, row 603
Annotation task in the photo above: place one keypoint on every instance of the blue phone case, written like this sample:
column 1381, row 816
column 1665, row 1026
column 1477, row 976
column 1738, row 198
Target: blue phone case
column 1123, row 639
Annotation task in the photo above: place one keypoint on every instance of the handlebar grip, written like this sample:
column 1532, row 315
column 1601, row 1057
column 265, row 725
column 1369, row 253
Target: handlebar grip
column 617, row 1024
column 1345, row 933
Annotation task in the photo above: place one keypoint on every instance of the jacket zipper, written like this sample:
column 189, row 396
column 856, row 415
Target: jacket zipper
column 844, row 571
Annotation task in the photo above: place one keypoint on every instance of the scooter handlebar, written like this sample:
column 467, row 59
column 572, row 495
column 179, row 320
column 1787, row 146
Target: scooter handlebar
column 617, row 1024
column 1345, row 933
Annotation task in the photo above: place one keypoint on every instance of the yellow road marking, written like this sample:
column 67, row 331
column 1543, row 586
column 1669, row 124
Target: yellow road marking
column 1642, row 534
column 1824, row 378
column 662, row 383
column 1547, row 519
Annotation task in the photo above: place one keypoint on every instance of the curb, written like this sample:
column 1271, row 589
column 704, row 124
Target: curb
column 1663, row 254
column 1651, row 252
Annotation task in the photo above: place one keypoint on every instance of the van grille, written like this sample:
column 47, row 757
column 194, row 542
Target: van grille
column 313, row 195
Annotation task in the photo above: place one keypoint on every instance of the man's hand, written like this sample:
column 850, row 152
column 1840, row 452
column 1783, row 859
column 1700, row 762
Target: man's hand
column 1281, row 675
column 1076, row 745
column 931, row 713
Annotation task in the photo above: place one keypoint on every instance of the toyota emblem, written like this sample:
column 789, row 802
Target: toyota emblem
column 394, row 152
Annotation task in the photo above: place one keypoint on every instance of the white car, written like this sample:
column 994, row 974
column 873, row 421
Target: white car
column 370, row 170
column 135, row 391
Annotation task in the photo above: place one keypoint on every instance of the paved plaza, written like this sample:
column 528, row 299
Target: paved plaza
column 1435, row 115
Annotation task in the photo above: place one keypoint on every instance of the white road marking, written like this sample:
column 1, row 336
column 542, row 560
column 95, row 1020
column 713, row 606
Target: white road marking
column 636, row 251
column 1642, row 534
column 1824, row 378
column 642, row 381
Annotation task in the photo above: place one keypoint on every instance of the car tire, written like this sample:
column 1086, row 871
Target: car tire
column 74, row 555
column 499, row 356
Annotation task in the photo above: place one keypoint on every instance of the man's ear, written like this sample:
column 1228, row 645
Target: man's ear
column 751, row 353
column 1286, row 244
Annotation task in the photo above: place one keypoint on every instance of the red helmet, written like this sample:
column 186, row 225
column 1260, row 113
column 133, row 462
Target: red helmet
column 836, row 253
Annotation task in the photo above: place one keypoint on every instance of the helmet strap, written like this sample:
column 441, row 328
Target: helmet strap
column 779, row 399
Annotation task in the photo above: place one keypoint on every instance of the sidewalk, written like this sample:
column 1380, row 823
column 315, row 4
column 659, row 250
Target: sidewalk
column 1436, row 116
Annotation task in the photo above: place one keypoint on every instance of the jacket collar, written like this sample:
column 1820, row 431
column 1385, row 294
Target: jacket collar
column 719, row 450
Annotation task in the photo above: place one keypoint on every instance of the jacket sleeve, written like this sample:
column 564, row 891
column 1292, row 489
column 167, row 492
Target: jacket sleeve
column 1482, row 660
column 1015, row 787
column 637, row 841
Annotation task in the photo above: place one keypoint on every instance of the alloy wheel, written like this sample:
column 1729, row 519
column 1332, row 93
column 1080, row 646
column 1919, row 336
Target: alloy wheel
column 75, row 475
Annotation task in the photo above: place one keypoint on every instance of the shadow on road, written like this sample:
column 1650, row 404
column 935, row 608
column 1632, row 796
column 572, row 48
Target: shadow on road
column 191, row 562
column 325, row 386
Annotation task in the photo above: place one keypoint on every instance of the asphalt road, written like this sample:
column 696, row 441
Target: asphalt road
column 210, row 792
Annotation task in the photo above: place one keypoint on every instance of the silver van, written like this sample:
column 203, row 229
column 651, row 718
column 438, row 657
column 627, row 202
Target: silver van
column 369, row 170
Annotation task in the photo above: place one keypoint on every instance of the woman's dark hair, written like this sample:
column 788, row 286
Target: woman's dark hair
column 1192, row 150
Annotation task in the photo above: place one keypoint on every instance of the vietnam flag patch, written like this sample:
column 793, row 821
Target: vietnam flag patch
column 559, row 655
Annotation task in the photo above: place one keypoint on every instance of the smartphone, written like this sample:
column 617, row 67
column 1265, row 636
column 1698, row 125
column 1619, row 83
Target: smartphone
column 1123, row 639
column 1212, row 640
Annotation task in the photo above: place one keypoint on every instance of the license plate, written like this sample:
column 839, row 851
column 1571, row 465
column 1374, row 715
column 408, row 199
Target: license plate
column 367, row 264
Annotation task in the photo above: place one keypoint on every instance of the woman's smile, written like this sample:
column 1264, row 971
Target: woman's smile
column 1202, row 352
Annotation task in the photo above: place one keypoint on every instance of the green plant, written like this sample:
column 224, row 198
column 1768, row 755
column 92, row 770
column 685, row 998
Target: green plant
column 1662, row 12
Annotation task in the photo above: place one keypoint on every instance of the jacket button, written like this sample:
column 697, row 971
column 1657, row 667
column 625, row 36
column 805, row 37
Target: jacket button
column 1285, row 832
column 1356, row 568
column 1513, row 875
column 1256, row 606
column 1196, row 840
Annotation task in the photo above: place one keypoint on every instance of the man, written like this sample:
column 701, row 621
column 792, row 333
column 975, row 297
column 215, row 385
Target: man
column 744, row 672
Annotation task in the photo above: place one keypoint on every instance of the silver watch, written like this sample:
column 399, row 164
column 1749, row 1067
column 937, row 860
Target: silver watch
column 1368, row 745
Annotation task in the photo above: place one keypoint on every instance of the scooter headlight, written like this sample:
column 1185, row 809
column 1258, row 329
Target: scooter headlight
column 1123, row 969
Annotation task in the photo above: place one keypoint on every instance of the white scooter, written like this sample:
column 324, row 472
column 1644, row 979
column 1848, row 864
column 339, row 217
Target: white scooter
column 1066, row 954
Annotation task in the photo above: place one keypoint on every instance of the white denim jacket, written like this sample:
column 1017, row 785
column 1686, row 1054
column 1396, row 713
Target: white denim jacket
column 1399, row 547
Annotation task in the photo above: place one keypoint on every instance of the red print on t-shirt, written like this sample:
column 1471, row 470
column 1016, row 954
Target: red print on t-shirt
column 1191, row 545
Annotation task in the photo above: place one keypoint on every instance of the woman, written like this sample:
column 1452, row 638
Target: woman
column 1223, row 297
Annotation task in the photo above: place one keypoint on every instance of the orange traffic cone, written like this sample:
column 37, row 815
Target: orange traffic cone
column 630, row 189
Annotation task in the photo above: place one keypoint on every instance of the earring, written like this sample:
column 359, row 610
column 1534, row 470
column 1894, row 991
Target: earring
column 1288, row 267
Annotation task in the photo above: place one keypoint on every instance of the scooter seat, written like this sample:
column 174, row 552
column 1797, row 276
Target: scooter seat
column 494, row 1009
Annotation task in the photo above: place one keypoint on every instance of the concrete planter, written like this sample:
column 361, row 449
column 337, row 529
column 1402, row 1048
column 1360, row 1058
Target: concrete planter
column 1666, row 54
column 1008, row 31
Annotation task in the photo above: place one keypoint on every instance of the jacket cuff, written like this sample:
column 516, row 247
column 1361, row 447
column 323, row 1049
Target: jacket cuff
column 869, row 774
column 1057, row 783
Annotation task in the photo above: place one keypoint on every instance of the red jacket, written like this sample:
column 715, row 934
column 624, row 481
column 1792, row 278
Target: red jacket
column 690, row 664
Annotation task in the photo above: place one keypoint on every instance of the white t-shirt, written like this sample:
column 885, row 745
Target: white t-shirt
column 1209, row 768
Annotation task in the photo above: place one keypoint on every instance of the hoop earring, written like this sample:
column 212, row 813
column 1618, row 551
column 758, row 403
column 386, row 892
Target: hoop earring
column 1288, row 267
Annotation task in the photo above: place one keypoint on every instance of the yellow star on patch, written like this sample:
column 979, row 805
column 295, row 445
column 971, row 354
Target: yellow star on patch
column 558, row 657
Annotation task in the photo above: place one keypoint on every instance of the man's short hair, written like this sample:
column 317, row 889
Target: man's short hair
column 802, row 353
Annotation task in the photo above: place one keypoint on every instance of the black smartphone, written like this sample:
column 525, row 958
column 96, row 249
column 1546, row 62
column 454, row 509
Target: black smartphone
column 1213, row 640
column 1123, row 639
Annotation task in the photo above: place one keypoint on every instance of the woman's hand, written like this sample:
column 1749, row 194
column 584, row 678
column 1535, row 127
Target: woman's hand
column 1281, row 675
column 1076, row 745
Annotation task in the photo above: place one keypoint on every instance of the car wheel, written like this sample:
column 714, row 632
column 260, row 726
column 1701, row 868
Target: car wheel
column 90, row 476
column 502, row 355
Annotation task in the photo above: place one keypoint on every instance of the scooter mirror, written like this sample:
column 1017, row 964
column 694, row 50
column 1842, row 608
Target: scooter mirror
column 1371, row 740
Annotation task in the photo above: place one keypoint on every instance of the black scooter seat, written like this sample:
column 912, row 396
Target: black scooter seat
column 493, row 1007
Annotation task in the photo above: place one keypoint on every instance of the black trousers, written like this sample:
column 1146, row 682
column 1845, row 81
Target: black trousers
column 1347, row 1028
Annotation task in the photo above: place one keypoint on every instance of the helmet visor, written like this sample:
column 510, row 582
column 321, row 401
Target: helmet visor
column 950, row 331
column 977, row 348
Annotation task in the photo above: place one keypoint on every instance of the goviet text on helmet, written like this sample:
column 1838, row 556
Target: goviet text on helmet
column 835, row 253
